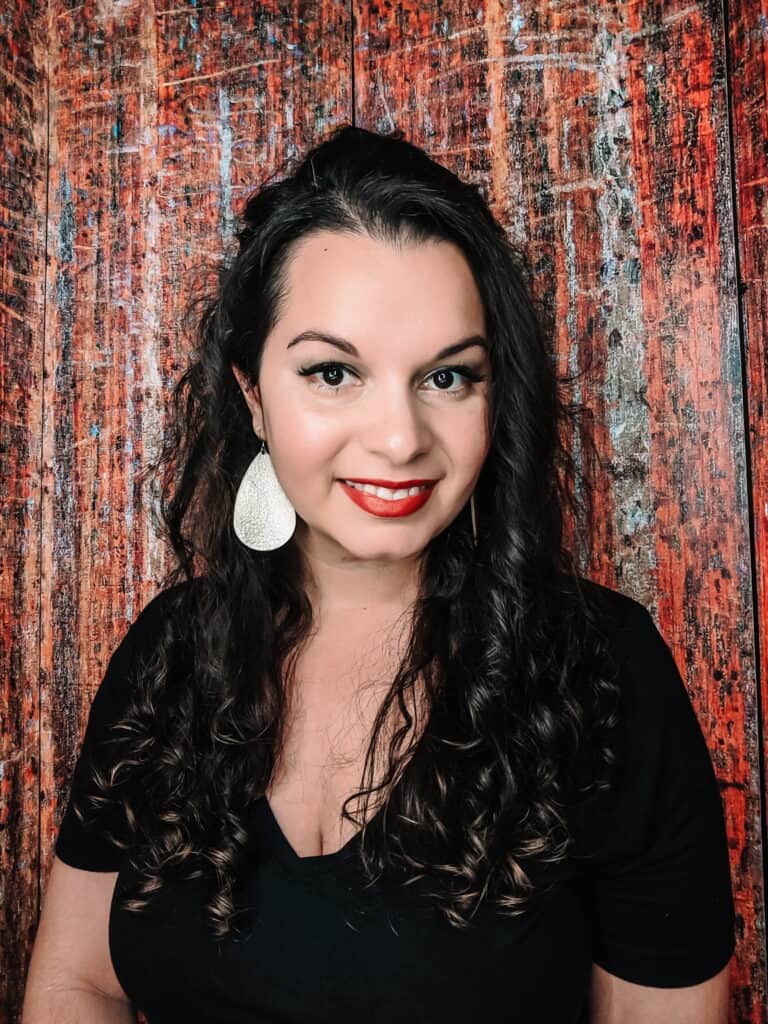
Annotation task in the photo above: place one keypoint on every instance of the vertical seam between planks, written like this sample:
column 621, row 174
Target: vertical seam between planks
column 747, row 442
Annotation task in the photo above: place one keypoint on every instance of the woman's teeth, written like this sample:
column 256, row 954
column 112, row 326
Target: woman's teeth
column 385, row 492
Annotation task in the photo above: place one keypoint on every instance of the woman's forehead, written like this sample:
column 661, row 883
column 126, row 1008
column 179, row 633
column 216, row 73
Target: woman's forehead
column 367, row 291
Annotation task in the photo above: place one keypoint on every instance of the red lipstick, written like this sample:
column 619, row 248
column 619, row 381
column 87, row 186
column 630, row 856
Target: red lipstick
column 386, row 508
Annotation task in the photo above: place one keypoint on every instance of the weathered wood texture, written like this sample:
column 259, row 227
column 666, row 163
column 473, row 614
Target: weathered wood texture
column 602, row 135
column 23, row 181
column 748, row 86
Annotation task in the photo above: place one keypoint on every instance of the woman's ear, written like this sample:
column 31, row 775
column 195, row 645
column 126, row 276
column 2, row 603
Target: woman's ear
column 251, row 395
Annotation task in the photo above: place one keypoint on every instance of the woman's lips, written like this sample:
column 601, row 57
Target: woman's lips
column 385, row 507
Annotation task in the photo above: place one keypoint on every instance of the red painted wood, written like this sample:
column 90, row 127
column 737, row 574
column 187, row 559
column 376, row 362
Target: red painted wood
column 748, row 86
column 601, row 135
column 23, row 105
column 681, row 158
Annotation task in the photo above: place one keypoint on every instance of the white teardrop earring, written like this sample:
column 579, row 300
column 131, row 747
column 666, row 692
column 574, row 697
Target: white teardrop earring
column 474, row 517
column 264, row 518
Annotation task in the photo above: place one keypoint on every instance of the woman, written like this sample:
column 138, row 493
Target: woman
column 537, row 831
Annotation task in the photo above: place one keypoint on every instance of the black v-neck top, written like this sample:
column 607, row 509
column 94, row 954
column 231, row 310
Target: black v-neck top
column 646, row 893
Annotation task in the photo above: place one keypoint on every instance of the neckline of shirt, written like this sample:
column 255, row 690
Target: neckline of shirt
column 285, row 852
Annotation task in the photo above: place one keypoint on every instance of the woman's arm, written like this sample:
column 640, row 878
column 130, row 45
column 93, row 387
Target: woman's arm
column 71, row 979
column 60, row 1006
column 615, row 1001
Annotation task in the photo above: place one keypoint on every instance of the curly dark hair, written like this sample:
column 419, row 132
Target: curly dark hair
column 510, row 641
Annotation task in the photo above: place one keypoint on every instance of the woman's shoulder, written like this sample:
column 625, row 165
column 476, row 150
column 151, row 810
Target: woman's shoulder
column 660, row 746
column 169, row 606
column 169, row 597
column 643, row 654
column 654, row 846
column 89, row 846
column 651, row 684
column 162, row 620
column 613, row 602
column 617, row 615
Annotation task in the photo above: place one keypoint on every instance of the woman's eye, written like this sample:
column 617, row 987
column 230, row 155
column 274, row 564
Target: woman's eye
column 334, row 372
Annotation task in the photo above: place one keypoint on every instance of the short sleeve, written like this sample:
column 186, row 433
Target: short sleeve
column 86, row 845
column 659, row 888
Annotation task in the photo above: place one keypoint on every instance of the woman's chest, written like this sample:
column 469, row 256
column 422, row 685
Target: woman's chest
column 333, row 712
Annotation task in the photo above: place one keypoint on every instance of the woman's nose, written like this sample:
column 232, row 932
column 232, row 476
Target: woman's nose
column 396, row 426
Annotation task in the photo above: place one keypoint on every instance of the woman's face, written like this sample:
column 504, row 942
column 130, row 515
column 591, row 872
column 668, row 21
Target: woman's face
column 395, row 411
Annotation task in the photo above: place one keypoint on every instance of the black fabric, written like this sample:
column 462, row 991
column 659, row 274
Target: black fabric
column 646, row 893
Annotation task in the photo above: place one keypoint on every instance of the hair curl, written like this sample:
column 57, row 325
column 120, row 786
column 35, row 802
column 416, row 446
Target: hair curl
column 520, row 689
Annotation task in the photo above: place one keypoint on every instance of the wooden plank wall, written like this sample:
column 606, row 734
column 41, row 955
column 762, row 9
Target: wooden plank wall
column 23, row 184
column 747, row 76
column 625, row 144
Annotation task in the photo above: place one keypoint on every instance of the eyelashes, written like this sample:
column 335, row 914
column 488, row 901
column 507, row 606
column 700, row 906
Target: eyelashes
column 472, row 376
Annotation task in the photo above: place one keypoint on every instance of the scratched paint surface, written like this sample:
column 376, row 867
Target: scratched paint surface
column 22, row 269
column 748, row 40
column 600, row 134
column 697, row 454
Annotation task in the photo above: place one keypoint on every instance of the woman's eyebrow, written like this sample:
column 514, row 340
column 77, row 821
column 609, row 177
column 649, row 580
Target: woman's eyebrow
column 349, row 348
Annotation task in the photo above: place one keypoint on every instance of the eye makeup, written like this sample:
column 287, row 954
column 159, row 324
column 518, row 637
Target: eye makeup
column 470, row 374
